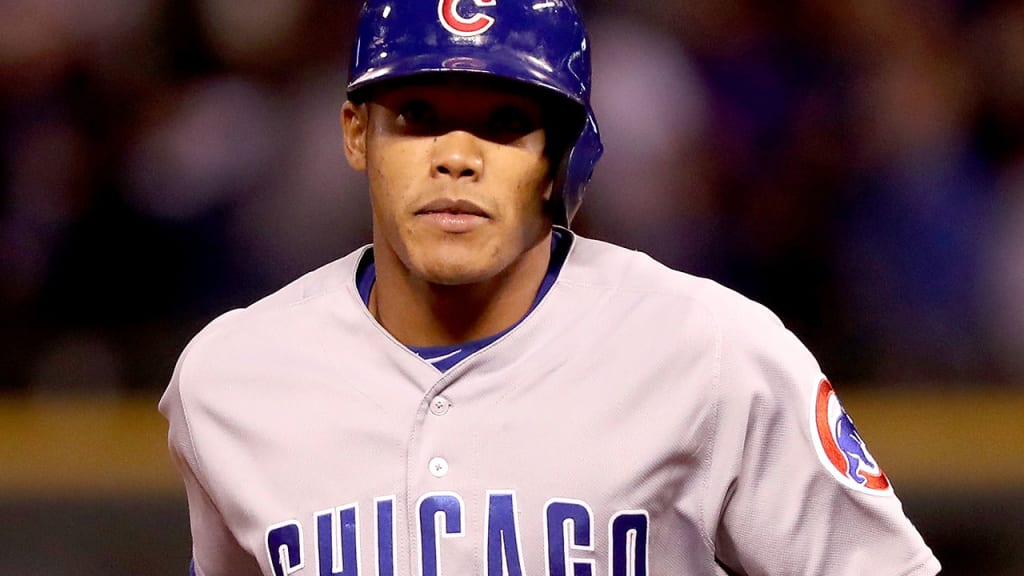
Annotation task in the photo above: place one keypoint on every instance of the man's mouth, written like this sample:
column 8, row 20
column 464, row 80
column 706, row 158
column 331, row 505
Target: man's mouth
column 454, row 216
column 453, row 207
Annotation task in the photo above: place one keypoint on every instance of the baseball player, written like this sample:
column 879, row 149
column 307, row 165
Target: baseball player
column 480, row 391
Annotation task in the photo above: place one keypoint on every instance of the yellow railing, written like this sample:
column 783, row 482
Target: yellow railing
column 87, row 447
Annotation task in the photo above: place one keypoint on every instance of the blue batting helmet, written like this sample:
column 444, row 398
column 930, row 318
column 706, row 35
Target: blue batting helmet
column 541, row 43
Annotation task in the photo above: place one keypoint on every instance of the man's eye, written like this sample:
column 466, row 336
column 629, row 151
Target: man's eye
column 511, row 120
column 417, row 114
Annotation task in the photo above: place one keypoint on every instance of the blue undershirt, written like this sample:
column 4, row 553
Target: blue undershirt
column 444, row 357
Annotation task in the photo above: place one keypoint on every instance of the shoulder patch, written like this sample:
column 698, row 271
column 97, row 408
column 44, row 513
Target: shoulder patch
column 839, row 445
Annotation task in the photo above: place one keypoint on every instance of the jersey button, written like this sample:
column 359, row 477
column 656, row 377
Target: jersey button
column 438, row 467
column 439, row 406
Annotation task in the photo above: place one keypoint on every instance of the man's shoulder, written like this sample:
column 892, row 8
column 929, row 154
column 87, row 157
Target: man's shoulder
column 242, row 354
column 634, row 274
column 679, row 309
column 333, row 277
column 685, row 316
column 279, row 315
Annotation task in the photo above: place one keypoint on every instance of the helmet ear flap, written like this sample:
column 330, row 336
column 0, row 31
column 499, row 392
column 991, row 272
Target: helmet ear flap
column 574, row 173
column 557, row 207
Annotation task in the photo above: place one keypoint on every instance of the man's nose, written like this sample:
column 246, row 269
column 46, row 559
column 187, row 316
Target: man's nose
column 457, row 155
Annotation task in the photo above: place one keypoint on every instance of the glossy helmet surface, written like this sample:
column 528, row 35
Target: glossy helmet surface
column 541, row 43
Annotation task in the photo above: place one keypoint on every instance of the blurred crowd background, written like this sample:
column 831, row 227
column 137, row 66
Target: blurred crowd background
column 857, row 166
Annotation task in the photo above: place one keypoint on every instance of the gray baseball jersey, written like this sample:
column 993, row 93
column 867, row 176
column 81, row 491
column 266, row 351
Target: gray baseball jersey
column 639, row 421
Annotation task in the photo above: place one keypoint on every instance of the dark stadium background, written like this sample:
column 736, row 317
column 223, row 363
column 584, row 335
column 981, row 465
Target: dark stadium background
column 856, row 166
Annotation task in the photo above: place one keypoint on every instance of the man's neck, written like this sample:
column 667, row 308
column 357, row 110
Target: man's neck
column 420, row 313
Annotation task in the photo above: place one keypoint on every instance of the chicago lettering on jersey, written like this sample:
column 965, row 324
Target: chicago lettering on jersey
column 568, row 527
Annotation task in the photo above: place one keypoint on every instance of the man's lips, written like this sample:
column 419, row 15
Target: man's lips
column 453, row 207
column 453, row 216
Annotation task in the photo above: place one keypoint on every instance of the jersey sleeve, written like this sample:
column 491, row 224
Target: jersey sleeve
column 793, row 488
column 215, row 551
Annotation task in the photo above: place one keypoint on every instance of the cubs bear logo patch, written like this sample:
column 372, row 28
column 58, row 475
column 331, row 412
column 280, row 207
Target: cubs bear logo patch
column 840, row 448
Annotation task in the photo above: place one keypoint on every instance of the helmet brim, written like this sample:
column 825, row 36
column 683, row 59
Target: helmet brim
column 515, row 67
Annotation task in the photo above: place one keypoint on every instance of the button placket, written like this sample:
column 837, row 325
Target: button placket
column 437, row 465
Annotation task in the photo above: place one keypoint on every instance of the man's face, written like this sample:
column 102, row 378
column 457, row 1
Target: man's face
column 458, row 176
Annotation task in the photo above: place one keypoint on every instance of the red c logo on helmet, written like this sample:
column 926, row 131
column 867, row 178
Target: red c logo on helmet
column 448, row 13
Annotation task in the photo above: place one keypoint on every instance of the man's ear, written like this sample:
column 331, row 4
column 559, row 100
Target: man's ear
column 354, row 127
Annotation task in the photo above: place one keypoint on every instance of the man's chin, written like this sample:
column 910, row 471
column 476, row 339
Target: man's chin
column 456, row 275
column 454, row 263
